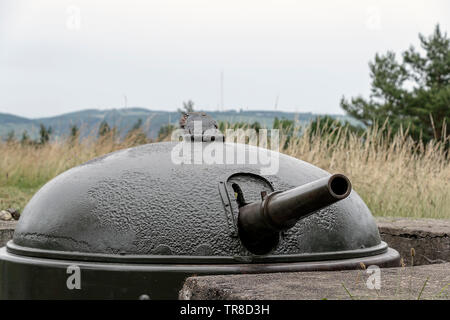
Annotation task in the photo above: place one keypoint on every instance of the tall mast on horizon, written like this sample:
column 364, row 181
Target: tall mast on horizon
column 276, row 101
column 221, row 90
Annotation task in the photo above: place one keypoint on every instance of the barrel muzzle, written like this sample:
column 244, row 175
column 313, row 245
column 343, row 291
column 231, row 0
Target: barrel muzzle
column 260, row 223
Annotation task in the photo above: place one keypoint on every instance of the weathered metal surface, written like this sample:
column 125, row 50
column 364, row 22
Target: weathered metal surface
column 15, row 249
column 261, row 222
column 37, row 278
column 137, row 201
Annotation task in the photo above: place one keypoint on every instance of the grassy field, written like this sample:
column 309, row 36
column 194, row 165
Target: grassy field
column 395, row 177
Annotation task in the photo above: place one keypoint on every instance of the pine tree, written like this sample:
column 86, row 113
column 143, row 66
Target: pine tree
column 188, row 106
column 11, row 137
column 74, row 133
column 413, row 92
column 25, row 138
column 44, row 134
column 104, row 128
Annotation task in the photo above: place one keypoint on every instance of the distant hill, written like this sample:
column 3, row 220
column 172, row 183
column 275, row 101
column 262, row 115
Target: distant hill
column 89, row 120
column 11, row 119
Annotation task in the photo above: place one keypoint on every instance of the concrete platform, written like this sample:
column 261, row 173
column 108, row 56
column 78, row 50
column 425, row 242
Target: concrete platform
column 6, row 231
column 422, row 282
column 428, row 267
column 430, row 239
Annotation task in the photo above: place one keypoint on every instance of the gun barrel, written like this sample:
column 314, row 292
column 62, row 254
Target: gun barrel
column 261, row 222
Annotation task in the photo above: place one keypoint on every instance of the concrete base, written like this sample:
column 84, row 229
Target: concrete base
column 430, row 259
column 6, row 231
column 422, row 282
column 430, row 239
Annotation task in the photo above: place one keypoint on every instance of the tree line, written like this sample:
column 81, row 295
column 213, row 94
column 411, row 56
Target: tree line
column 104, row 131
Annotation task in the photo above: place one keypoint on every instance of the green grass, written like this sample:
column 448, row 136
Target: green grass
column 15, row 197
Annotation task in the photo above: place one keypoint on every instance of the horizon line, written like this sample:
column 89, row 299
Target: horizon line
column 237, row 110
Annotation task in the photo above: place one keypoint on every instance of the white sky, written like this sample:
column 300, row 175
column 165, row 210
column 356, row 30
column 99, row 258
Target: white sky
column 60, row 56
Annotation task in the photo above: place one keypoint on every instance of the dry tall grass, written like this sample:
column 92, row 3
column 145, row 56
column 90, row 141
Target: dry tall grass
column 24, row 168
column 395, row 177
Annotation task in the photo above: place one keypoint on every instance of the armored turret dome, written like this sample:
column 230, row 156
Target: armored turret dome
column 143, row 216
column 138, row 202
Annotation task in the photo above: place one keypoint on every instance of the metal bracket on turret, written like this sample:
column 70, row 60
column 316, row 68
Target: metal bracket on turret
column 199, row 126
column 230, row 216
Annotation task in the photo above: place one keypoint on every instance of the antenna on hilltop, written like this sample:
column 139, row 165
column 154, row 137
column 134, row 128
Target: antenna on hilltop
column 125, row 101
column 276, row 101
column 221, row 90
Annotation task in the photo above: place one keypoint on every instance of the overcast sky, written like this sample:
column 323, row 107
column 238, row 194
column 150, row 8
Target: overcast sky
column 60, row 56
